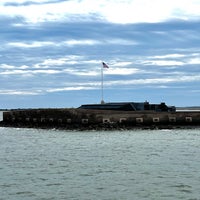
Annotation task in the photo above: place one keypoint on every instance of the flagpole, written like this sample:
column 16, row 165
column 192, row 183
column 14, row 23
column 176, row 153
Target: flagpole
column 102, row 101
column 102, row 67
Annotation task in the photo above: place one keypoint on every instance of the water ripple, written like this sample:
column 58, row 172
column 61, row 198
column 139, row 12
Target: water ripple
column 41, row 164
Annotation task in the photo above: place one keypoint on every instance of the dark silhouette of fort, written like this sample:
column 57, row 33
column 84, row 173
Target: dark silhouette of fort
column 108, row 116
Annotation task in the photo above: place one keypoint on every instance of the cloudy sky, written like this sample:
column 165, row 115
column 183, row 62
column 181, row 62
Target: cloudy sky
column 51, row 52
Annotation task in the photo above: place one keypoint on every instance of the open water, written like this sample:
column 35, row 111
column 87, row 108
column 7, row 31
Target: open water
column 113, row 165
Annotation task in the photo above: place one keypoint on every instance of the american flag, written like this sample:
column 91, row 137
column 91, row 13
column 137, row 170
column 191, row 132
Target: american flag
column 104, row 65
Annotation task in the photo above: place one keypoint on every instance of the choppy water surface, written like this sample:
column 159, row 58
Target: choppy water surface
column 49, row 164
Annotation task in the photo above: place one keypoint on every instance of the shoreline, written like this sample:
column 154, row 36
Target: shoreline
column 81, row 119
column 99, row 127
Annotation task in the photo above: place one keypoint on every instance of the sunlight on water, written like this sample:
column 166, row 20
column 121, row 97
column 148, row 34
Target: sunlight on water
column 48, row 164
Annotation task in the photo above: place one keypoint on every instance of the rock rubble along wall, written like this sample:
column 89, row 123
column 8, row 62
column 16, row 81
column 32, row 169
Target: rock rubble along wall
column 80, row 117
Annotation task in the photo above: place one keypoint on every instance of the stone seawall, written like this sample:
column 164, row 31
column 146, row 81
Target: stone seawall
column 98, row 119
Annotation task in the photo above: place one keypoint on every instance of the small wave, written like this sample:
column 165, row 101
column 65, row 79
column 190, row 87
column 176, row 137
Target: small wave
column 183, row 188
column 53, row 184
column 185, row 191
column 7, row 185
column 25, row 193
column 166, row 130
column 86, row 174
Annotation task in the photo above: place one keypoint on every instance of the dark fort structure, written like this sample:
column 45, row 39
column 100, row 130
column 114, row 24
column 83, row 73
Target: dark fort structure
column 122, row 115
column 130, row 106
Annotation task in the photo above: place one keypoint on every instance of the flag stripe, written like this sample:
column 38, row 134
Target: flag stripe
column 105, row 65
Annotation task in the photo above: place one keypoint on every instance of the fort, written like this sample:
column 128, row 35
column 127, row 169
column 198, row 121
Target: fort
column 103, row 117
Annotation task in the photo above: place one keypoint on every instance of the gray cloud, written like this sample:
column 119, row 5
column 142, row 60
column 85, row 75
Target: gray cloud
column 60, row 57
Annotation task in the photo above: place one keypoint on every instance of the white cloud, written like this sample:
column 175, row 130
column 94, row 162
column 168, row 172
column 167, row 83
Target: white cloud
column 5, row 66
column 121, row 71
column 121, row 64
column 195, row 61
column 118, row 41
column 71, row 43
column 69, row 89
column 81, row 42
column 24, row 67
column 174, row 59
column 53, row 62
column 163, row 62
column 19, row 92
column 80, row 72
column 30, row 45
column 29, row 72
column 74, row 86
column 117, row 11
column 168, row 56
column 10, row 67
column 172, row 79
